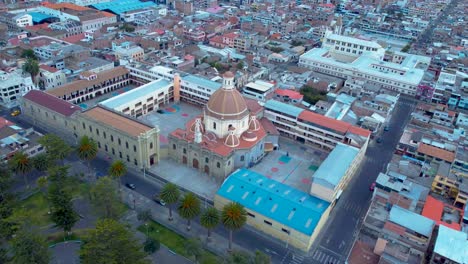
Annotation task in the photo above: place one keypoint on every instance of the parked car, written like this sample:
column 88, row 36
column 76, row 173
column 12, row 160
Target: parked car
column 130, row 186
column 372, row 187
column 15, row 113
column 386, row 128
column 159, row 200
column 379, row 140
column 159, row 111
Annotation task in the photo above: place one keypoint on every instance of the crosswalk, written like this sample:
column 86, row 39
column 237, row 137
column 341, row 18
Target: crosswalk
column 320, row 256
column 355, row 208
column 297, row 259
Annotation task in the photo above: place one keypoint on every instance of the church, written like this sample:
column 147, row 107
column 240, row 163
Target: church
column 227, row 136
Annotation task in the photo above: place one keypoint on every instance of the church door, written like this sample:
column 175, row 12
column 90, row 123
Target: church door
column 184, row 160
column 195, row 163
column 207, row 169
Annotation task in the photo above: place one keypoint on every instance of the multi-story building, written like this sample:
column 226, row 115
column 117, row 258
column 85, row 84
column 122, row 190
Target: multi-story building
column 14, row 139
column 72, row 27
column 194, row 34
column 351, row 58
column 127, row 51
column 23, row 20
column 13, row 85
column 50, row 77
column 452, row 188
column 119, row 136
column 142, row 100
column 50, row 50
column 92, row 84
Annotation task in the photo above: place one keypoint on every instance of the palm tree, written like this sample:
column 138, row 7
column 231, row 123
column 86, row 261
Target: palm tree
column 210, row 219
column 87, row 150
column 170, row 194
column 41, row 162
column 31, row 66
column 20, row 163
column 189, row 208
column 117, row 170
column 233, row 217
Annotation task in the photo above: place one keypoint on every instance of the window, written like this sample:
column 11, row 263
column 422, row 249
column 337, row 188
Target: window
column 218, row 165
column 242, row 158
column 99, row 144
column 267, row 222
column 118, row 140
column 285, row 230
column 174, row 146
column 105, row 147
column 135, row 162
column 113, row 151
column 112, row 138
column 250, row 214
column 207, row 160
column 120, row 154
column 91, row 129
column 84, row 126
column 151, row 145
column 104, row 134
column 134, row 148
column 184, row 151
column 214, row 125
column 126, row 144
column 97, row 131
column 128, row 158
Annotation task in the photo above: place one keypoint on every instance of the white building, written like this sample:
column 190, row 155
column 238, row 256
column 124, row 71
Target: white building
column 258, row 90
column 23, row 20
column 83, row 2
column 142, row 100
column 403, row 78
column 50, row 77
column 349, row 48
column 14, row 85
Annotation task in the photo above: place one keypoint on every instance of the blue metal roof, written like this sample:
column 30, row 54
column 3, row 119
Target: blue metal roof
column 136, row 93
column 202, row 82
column 281, row 107
column 413, row 221
column 330, row 171
column 284, row 204
column 39, row 17
column 452, row 244
column 122, row 6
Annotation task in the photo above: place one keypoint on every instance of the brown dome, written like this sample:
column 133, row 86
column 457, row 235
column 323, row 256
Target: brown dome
column 227, row 104
column 231, row 140
column 249, row 136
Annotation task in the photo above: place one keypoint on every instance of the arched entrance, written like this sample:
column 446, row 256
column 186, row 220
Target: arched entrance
column 184, row 160
column 207, row 169
column 195, row 163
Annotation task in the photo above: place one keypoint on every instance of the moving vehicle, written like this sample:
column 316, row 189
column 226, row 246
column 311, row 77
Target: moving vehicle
column 386, row 128
column 15, row 113
column 372, row 187
column 159, row 200
column 130, row 186
column 379, row 140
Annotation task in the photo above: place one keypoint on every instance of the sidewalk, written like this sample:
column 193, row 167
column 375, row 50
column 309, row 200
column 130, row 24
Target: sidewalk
column 218, row 244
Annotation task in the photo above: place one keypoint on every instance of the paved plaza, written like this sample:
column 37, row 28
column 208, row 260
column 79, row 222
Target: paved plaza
column 293, row 164
column 173, row 116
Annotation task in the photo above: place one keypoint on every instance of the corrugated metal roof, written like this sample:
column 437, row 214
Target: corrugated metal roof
column 122, row 6
column 206, row 83
column 288, row 109
column 410, row 220
column 284, row 204
column 332, row 171
column 452, row 244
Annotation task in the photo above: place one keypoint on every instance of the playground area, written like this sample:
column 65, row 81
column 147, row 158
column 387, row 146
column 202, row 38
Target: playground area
column 170, row 117
column 293, row 164
column 96, row 100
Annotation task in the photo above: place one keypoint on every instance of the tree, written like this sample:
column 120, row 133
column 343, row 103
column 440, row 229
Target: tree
column 239, row 257
column 189, row 208
column 233, row 217
column 105, row 198
column 193, row 248
column 240, row 65
column 30, row 247
column 209, row 219
column 20, row 163
column 111, row 242
column 406, row 48
column 261, row 258
column 31, row 66
column 151, row 245
column 55, row 147
column 41, row 162
column 117, row 170
column 144, row 216
column 7, row 203
column 43, row 183
column 170, row 194
column 87, row 150
column 63, row 214
column 28, row 54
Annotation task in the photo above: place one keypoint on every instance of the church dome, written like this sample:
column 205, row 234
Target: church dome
column 227, row 103
column 232, row 140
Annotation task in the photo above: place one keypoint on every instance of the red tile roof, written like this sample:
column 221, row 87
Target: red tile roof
column 336, row 125
column 290, row 93
column 436, row 152
column 75, row 38
column 362, row 254
column 51, row 102
column 5, row 122
column 395, row 228
column 434, row 209
column 48, row 68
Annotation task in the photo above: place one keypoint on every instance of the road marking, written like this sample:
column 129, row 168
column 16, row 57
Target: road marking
column 323, row 256
column 326, row 259
column 315, row 253
column 318, row 256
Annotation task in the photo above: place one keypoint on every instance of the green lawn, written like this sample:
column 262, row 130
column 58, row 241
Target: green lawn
column 174, row 241
column 60, row 236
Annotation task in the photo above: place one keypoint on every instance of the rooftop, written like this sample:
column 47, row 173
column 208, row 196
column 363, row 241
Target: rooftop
column 51, row 102
column 412, row 221
column 39, row 17
column 274, row 200
column 452, row 244
column 122, row 6
column 288, row 109
column 203, row 82
column 331, row 171
column 135, row 94
column 117, row 121
column 436, row 152
column 434, row 209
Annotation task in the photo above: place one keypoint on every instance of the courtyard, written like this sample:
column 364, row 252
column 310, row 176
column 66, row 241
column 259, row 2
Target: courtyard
column 94, row 101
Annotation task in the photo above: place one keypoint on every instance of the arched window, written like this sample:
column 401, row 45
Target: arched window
column 218, row 165
column 174, row 146
column 214, row 125
column 185, row 151
column 207, row 160
column 151, row 145
column 242, row 158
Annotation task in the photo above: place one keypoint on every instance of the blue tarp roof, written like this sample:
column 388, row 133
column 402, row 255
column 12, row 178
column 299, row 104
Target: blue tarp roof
column 331, row 171
column 122, row 6
column 136, row 93
column 413, row 221
column 282, row 203
column 39, row 17
column 284, row 108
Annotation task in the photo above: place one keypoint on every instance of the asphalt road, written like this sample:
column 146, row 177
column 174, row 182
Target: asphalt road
column 337, row 237
column 335, row 241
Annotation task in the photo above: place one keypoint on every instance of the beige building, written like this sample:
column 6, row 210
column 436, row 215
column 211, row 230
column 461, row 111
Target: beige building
column 276, row 209
column 121, row 137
